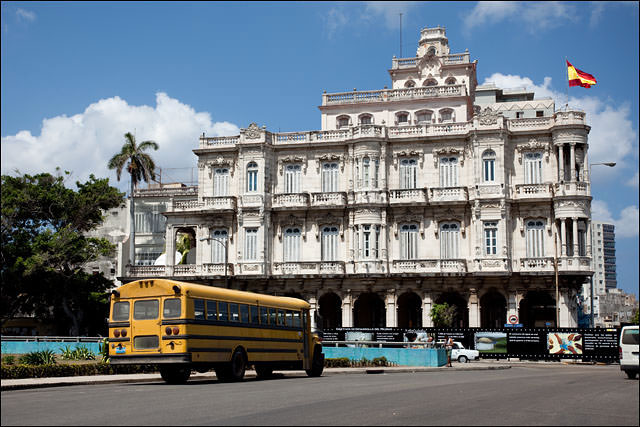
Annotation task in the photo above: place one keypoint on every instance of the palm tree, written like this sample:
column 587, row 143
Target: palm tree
column 141, row 168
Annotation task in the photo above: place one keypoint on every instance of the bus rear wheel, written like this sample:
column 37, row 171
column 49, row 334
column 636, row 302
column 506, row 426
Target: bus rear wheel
column 233, row 371
column 175, row 374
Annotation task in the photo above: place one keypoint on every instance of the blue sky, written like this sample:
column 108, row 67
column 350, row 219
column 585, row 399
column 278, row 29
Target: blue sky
column 77, row 76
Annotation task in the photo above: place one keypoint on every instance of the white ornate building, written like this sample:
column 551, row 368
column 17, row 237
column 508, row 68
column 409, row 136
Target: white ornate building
column 434, row 190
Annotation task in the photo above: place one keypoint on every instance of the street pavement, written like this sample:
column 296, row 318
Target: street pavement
column 26, row 383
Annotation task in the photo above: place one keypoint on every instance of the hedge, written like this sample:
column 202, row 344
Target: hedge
column 43, row 371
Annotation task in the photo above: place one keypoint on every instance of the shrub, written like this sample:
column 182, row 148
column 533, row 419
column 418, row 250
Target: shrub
column 43, row 371
column 42, row 357
column 340, row 362
column 104, row 350
column 9, row 360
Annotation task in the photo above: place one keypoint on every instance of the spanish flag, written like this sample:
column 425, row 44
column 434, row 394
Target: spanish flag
column 579, row 78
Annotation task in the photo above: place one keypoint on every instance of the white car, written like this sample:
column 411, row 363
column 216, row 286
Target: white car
column 463, row 355
column 629, row 344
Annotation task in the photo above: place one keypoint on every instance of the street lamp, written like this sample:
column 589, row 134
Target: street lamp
column 225, row 245
column 591, row 318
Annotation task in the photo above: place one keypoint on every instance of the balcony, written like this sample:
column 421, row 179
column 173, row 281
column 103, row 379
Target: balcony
column 529, row 124
column 438, row 129
column 576, row 264
column 334, row 199
column 290, row 201
column 369, row 267
column 250, row 268
column 219, row 203
column 363, row 196
column 252, row 201
column 448, row 194
column 492, row 266
column 219, row 141
column 429, row 266
column 308, row 268
column 386, row 95
column 456, row 58
column 180, row 270
column 572, row 189
column 413, row 196
column 541, row 265
column 489, row 191
column 532, row 191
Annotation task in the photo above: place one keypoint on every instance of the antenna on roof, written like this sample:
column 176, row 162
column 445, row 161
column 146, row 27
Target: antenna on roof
column 400, row 35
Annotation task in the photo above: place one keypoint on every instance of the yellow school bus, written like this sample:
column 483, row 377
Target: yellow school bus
column 184, row 326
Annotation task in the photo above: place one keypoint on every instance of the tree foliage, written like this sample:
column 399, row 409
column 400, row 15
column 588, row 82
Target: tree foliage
column 44, row 248
column 443, row 315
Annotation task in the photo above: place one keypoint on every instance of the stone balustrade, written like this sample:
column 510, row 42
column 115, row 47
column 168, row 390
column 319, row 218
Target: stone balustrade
column 449, row 194
column 337, row 199
column 408, row 196
column 290, row 200
column 455, row 58
column 219, row 141
column 572, row 188
column 536, row 265
column 492, row 265
column 308, row 268
column 387, row 95
column 574, row 264
column 252, row 200
column 532, row 191
column 489, row 190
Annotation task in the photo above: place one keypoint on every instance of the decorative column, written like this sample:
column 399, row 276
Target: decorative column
column 575, row 236
column 513, row 301
column 170, row 247
column 563, row 236
column 390, row 305
column 426, row 310
column 474, row 310
column 572, row 176
column 347, row 314
column 313, row 302
column 588, row 236
column 561, row 162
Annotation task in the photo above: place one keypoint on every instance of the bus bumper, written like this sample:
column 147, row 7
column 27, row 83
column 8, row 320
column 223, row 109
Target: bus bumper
column 150, row 359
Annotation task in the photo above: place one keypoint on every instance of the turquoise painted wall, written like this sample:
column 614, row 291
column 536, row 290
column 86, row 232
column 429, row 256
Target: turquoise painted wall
column 23, row 347
column 400, row 356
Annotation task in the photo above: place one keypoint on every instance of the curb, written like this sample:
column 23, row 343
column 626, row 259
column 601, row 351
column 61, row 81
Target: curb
column 31, row 383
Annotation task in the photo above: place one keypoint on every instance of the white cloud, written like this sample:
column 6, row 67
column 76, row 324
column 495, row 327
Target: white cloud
column 535, row 16
column 83, row 143
column 612, row 137
column 354, row 15
column 25, row 15
column 633, row 182
column 627, row 222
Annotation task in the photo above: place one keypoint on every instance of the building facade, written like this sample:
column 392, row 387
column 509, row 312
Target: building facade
column 435, row 190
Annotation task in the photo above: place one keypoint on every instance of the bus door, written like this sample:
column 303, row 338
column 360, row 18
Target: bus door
column 146, row 325
column 307, row 337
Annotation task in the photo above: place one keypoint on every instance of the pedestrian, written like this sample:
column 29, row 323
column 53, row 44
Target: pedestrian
column 448, row 345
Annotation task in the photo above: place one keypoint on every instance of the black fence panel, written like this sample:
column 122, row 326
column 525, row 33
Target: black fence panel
column 524, row 343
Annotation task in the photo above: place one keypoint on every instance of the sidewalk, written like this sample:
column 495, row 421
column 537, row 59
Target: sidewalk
column 26, row 383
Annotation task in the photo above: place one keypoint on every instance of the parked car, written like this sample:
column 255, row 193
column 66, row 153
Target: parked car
column 629, row 348
column 462, row 354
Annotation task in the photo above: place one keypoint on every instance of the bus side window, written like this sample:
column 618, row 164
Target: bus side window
column 212, row 310
column 244, row 313
column 296, row 319
column 233, row 312
column 223, row 311
column 198, row 309
column 289, row 318
column 272, row 316
column 264, row 315
column 171, row 308
column 255, row 318
column 281, row 317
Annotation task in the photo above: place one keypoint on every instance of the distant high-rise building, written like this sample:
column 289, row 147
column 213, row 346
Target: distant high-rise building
column 604, row 267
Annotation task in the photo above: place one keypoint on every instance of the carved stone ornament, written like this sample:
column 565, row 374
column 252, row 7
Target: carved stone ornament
column 488, row 117
column 252, row 132
column 448, row 150
column 292, row 159
column 329, row 220
column 533, row 145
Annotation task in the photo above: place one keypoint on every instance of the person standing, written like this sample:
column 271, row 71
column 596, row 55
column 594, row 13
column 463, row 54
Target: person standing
column 448, row 345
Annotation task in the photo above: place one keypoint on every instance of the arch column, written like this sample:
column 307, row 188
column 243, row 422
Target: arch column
column 347, row 310
column 574, row 220
column 426, row 310
column 513, row 301
column 474, row 310
column 561, row 162
column 313, row 302
column 170, row 247
column 391, row 307
column 563, row 237
column 572, row 175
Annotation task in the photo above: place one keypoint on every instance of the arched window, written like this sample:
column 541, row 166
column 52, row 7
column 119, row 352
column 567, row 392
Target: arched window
column 423, row 116
column 292, row 244
column 430, row 82
column 402, row 118
column 252, row 177
column 329, row 177
column 367, row 240
column 449, row 240
column 449, row 171
column 450, row 81
column 535, row 238
column 410, row 83
column 365, row 119
column 446, row 115
column 489, row 166
column 329, row 240
column 490, row 238
column 367, row 170
column 408, row 173
column 221, row 182
column 343, row 121
column 219, row 244
column 292, row 179
column 408, row 241
column 533, row 168
column 431, row 51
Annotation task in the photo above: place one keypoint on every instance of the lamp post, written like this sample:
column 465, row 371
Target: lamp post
column 591, row 317
column 225, row 245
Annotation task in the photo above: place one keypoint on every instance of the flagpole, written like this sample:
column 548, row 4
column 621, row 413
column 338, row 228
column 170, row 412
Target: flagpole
column 566, row 107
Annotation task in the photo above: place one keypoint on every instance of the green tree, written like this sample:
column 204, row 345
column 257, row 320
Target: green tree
column 141, row 167
column 44, row 248
column 443, row 314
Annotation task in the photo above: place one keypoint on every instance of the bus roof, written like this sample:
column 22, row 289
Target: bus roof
column 164, row 287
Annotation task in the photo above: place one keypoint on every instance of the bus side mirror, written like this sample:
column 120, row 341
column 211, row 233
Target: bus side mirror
column 115, row 293
column 176, row 289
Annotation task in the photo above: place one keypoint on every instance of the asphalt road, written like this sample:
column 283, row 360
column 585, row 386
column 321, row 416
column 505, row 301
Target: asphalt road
column 524, row 395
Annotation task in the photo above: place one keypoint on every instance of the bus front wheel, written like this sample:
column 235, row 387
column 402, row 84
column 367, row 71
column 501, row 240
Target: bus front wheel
column 175, row 374
column 317, row 364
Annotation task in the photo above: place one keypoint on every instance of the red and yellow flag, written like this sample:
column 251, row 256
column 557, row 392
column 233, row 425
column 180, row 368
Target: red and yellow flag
column 579, row 78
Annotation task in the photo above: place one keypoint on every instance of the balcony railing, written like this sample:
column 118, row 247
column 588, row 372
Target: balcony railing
column 575, row 264
column 532, row 191
column 207, row 203
column 533, row 123
column 252, row 200
column 489, row 190
column 434, row 266
column 219, row 141
column 536, row 265
column 572, row 189
column 290, row 200
column 456, row 58
column 436, row 129
column 492, row 265
column 449, row 194
column 338, row 199
column 308, row 267
column 408, row 196
column 386, row 95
